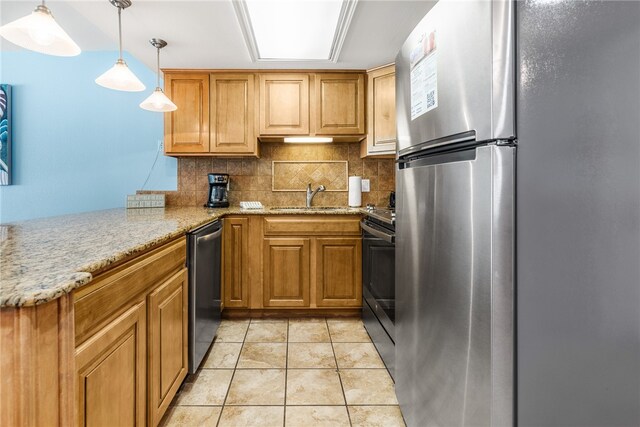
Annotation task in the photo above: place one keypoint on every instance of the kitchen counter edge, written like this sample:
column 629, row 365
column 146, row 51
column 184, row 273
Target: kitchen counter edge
column 24, row 284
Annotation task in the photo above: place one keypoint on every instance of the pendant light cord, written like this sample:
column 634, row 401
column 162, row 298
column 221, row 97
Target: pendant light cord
column 120, row 29
column 158, row 68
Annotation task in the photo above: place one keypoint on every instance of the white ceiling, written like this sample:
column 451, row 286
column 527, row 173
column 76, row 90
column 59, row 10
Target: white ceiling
column 206, row 33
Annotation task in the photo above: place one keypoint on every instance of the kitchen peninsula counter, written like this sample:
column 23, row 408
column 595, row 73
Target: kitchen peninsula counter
column 44, row 259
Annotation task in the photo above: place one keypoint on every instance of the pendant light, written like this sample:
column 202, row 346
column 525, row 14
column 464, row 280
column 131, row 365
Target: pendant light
column 158, row 101
column 120, row 77
column 41, row 33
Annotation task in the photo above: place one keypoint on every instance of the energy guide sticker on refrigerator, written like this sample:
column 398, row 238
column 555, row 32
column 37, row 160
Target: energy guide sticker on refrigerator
column 424, row 75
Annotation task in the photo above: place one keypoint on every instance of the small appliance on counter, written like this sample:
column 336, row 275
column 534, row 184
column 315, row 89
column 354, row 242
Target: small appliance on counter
column 218, row 190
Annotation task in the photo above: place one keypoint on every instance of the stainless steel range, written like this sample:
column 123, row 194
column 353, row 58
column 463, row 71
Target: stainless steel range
column 378, row 281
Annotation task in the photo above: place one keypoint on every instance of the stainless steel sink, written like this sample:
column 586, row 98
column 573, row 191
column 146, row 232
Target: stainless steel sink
column 303, row 208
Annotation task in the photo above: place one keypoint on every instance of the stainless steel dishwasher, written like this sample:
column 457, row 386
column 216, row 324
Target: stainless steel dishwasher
column 204, row 249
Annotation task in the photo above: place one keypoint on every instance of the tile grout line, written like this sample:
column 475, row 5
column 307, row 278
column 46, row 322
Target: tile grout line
column 346, row 406
column 233, row 375
column 286, row 373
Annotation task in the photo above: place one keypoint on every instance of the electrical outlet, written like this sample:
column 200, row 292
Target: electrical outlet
column 365, row 186
column 161, row 145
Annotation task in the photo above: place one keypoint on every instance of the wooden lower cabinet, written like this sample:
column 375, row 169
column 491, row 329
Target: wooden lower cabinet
column 338, row 272
column 286, row 272
column 111, row 373
column 274, row 264
column 235, row 260
column 131, row 339
column 168, row 343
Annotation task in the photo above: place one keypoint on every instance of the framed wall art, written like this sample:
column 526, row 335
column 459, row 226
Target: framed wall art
column 5, row 134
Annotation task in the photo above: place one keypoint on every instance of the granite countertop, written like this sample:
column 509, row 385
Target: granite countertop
column 43, row 259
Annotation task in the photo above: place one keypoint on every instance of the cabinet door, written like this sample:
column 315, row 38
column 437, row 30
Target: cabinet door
column 284, row 104
column 339, row 100
column 233, row 114
column 286, row 273
column 111, row 373
column 339, row 272
column 186, row 130
column 235, row 261
column 381, row 111
column 168, row 343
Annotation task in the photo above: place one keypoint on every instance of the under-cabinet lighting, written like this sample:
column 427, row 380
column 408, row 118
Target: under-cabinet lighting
column 41, row 33
column 308, row 139
column 298, row 30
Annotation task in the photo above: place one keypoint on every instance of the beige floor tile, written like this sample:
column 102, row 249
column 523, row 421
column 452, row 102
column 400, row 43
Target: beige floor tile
column 357, row 355
column 234, row 321
column 270, row 320
column 257, row 387
column 231, row 331
column 317, row 416
column 314, row 387
column 311, row 355
column 209, row 388
column 308, row 332
column 376, row 416
column 189, row 416
column 368, row 387
column 263, row 355
column 307, row 320
column 223, row 355
column 347, row 331
column 345, row 320
column 267, row 332
column 249, row 416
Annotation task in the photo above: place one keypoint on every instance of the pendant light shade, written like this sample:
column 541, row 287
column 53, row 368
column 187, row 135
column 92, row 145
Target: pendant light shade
column 41, row 33
column 120, row 77
column 158, row 101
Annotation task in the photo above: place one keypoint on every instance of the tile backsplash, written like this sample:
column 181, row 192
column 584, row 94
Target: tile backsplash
column 296, row 175
column 252, row 179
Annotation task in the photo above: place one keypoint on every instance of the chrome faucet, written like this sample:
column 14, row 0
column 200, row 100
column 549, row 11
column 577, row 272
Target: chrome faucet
column 310, row 193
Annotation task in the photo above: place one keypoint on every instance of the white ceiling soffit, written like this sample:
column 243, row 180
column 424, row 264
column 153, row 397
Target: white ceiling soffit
column 205, row 34
column 242, row 9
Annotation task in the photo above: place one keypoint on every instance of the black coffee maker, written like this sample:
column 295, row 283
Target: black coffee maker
column 218, row 188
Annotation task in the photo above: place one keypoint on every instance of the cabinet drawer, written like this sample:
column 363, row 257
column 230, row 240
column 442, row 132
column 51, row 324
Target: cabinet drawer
column 112, row 292
column 296, row 225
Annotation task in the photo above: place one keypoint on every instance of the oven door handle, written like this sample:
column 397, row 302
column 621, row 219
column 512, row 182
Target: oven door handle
column 389, row 238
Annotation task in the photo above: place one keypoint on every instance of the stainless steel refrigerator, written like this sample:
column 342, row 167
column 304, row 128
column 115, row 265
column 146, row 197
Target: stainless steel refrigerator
column 519, row 310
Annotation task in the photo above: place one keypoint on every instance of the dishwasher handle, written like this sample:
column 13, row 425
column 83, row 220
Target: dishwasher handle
column 208, row 237
column 389, row 238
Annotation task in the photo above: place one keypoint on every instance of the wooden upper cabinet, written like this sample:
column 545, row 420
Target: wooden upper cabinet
column 339, row 104
column 339, row 272
column 233, row 110
column 284, row 104
column 111, row 373
column 286, row 272
column 186, row 130
column 168, row 343
column 381, row 113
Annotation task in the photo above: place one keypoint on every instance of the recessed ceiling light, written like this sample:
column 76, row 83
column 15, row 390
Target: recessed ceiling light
column 302, row 30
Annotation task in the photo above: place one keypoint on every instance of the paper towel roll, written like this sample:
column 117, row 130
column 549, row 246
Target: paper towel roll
column 355, row 191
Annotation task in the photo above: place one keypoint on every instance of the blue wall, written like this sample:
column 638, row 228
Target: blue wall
column 78, row 146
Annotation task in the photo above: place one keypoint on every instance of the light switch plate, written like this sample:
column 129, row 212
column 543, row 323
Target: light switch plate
column 365, row 186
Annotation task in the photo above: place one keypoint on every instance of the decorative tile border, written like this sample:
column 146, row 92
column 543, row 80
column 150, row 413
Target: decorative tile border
column 294, row 175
